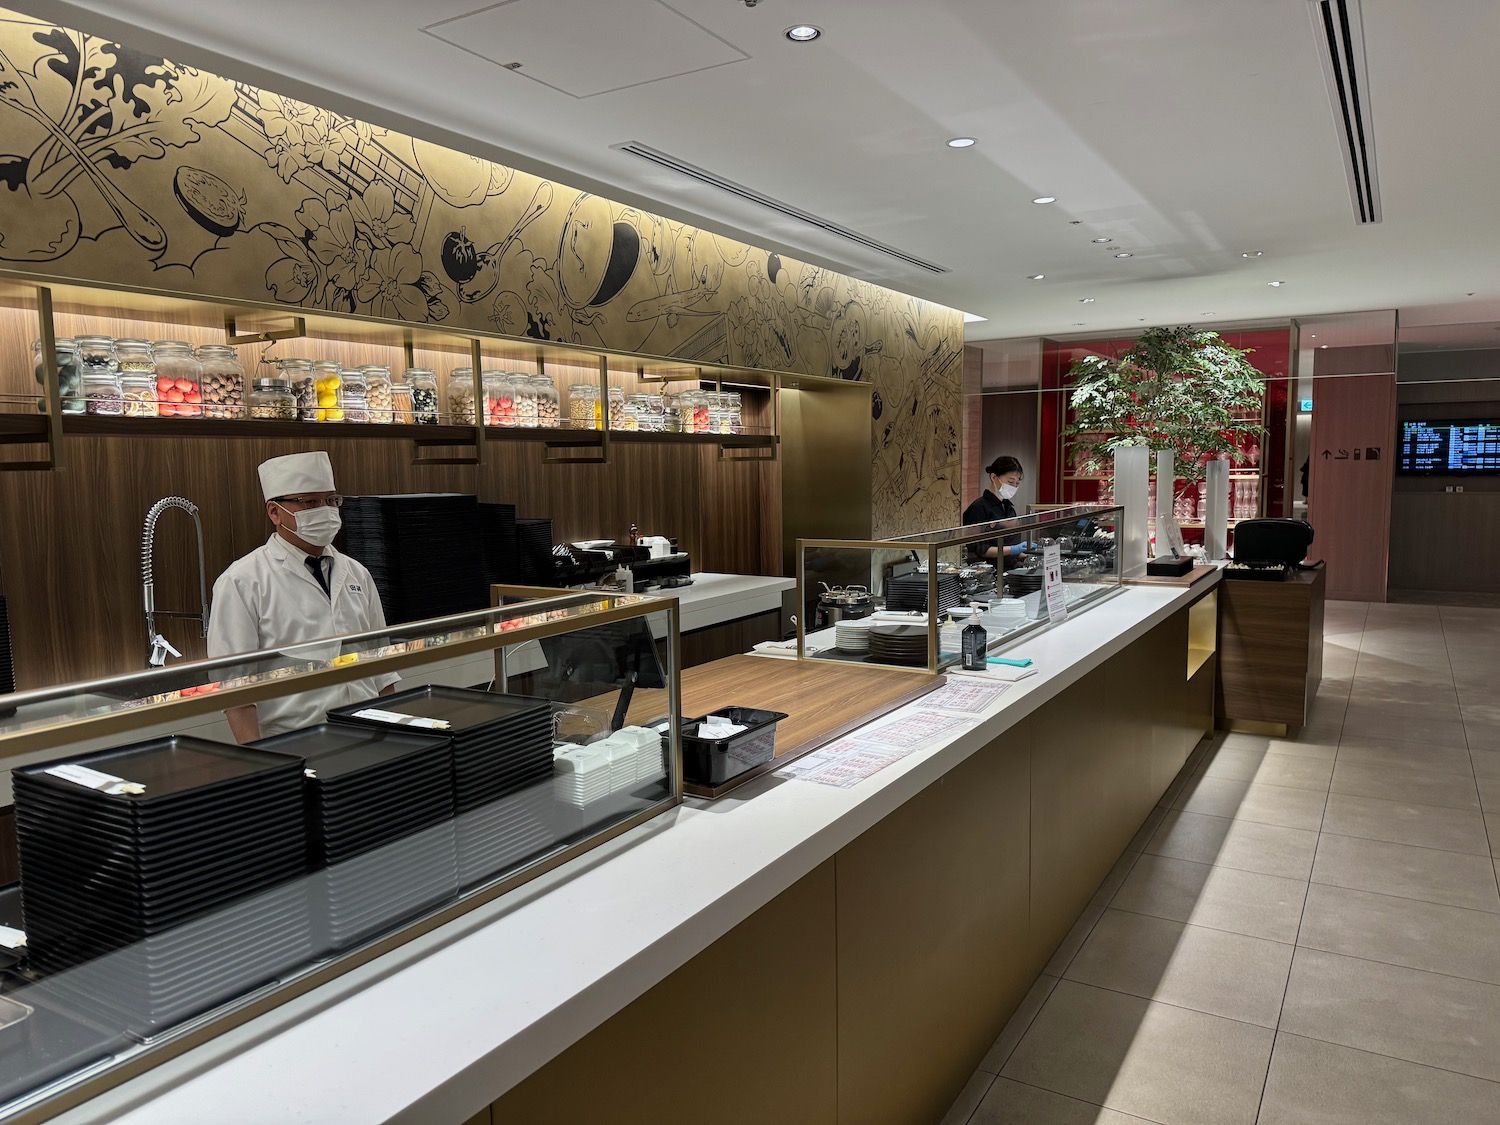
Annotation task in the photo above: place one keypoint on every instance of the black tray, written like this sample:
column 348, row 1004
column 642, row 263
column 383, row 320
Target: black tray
column 226, row 805
column 343, row 753
column 172, row 769
column 466, row 710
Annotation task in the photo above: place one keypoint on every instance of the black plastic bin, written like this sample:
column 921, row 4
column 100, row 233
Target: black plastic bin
column 713, row 761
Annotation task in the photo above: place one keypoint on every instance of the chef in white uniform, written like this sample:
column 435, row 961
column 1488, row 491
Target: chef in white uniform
column 295, row 589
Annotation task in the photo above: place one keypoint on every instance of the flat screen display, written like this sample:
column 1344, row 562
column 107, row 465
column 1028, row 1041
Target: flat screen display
column 1449, row 448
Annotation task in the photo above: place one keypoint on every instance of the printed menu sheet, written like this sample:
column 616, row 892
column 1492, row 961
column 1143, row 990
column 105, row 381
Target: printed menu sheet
column 847, row 761
column 966, row 697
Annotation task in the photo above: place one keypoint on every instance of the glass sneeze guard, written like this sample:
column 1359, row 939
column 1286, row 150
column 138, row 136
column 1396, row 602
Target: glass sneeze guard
column 867, row 602
column 175, row 884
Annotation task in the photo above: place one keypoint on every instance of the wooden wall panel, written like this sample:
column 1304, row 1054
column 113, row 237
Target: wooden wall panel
column 1349, row 495
column 743, row 1034
column 932, row 938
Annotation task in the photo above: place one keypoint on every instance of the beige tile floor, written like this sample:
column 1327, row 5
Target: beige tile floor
column 1307, row 930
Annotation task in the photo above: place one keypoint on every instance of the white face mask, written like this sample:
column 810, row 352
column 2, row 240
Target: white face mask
column 318, row 526
column 1006, row 491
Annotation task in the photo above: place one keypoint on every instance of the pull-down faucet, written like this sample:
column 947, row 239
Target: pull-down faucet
column 161, row 648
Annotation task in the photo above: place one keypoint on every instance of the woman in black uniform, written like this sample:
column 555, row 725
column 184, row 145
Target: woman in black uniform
column 995, row 504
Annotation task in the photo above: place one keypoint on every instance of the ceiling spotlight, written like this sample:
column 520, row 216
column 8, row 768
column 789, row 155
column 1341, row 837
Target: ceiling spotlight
column 961, row 142
column 1045, row 199
column 1312, row 336
column 1252, row 254
column 1125, row 254
column 1275, row 284
column 1322, row 345
column 803, row 33
column 1085, row 300
column 1035, row 276
column 1101, row 241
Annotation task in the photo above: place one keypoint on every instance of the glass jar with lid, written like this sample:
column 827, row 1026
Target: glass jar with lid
column 694, row 407
column 69, row 373
column 328, row 384
column 133, row 357
column 617, row 408
column 354, row 392
column 499, row 404
column 179, row 380
column 547, row 403
column 101, row 394
column 272, row 400
column 298, row 375
column 378, row 393
column 222, row 381
column 637, row 413
column 583, row 407
column 96, row 353
column 525, row 398
column 734, row 407
column 461, row 396
column 671, row 420
column 138, row 393
column 422, row 382
column 656, row 409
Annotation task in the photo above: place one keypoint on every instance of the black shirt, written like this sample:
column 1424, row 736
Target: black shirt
column 987, row 508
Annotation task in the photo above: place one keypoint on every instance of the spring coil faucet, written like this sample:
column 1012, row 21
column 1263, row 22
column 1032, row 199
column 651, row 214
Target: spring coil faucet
column 161, row 648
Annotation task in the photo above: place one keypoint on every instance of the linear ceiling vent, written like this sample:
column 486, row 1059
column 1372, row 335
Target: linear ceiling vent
column 1341, row 44
column 703, row 176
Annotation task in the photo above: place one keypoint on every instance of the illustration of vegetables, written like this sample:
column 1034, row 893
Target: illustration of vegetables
column 122, row 107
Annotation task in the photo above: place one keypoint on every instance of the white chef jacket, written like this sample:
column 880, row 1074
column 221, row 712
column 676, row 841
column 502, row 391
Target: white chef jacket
column 269, row 599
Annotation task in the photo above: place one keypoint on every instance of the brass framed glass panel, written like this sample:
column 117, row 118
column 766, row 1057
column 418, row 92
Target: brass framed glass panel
column 867, row 601
column 174, row 885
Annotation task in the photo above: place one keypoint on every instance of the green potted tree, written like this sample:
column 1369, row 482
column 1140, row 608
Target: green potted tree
column 1174, row 388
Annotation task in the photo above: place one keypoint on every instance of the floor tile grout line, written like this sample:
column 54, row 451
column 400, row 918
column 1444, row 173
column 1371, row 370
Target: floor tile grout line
column 1484, row 821
column 1286, row 985
column 988, row 1086
column 1403, row 898
column 1400, row 843
column 1384, row 1055
column 1198, row 926
column 1400, row 965
column 1084, row 1101
column 1034, row 1015
column 1165, row 1003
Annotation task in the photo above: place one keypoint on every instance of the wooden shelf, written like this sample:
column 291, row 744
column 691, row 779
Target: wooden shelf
column 91, row 425
column 22, row 429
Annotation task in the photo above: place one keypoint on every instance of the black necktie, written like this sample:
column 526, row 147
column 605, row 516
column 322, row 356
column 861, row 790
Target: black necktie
column 315, row 564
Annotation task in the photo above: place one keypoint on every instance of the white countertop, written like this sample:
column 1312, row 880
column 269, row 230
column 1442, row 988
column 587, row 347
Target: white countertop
column 444, row 1025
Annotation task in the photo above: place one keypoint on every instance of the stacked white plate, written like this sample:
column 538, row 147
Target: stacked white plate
column 581, row 775
column 853, row 636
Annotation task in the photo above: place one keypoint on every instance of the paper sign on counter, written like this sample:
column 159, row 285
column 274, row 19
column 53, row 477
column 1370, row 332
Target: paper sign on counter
column 94, row 779
column 1057, row 599
column 967, row 697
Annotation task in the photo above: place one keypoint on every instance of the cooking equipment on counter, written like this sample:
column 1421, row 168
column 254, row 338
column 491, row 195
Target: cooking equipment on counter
column 842, row 603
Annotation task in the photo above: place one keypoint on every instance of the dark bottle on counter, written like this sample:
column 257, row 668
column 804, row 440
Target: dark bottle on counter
column 635, row 535
column 976, row 643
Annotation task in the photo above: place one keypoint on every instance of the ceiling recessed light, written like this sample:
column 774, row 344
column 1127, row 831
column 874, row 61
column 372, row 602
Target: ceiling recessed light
column 1313, row 336
column 961, row 142
column 1085, row 300
column 1322, row 345
column 1045, row 199
column 1252, row 254
column 803, row 33
column 1101, row 241
column 1035, row 276
column 1275, row 284
column 1125, row 254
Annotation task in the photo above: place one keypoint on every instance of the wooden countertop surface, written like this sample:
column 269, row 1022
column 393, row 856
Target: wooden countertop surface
column 822, row 700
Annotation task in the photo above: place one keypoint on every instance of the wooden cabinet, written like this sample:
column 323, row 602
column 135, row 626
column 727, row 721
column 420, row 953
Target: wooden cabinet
column 1270, row 650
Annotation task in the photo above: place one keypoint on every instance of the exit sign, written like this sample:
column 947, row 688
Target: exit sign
column 1306, row 406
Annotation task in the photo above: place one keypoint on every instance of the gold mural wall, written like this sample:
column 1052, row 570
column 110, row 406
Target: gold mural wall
column 125, row 168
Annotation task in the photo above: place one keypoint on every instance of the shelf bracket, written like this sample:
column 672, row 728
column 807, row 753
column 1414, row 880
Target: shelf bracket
column 419, row 444
column 233, row 335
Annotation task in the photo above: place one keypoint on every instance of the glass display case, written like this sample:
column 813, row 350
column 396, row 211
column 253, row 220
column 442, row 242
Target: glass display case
column 174, row 883
column 868, row 601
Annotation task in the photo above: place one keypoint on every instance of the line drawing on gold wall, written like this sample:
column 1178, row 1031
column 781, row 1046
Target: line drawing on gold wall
column 129, row 169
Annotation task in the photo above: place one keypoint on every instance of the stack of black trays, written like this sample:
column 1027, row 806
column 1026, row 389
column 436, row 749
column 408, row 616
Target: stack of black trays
column 502, row 771
column 502, row 552
column 1019, row 583
column 146, row 909
column 909, row 592
column 534, row 544
column 380, row 826
column 423, row 551
column 7, row 669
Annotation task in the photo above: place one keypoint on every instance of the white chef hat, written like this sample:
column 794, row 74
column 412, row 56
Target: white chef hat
column 295, row 474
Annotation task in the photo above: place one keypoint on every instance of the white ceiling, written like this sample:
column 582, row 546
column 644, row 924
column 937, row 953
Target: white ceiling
column 1188, row 131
